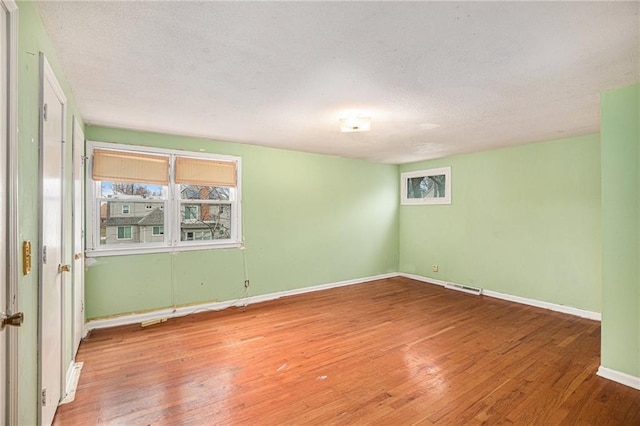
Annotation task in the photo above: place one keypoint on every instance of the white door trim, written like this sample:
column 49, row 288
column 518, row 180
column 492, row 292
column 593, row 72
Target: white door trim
column 12, row 210
column 47, row 72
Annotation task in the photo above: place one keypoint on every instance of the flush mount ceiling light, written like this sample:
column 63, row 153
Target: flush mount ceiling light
column 355, row 123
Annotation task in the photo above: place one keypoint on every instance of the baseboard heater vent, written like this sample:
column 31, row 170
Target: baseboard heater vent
column 464, row 288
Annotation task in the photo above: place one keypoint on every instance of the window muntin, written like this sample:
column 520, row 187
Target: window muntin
column 176, row 216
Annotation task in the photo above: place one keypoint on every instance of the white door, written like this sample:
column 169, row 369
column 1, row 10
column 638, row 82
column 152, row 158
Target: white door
column 8, row 215
column 4, row 288
column 78, row 235
column 51, row 250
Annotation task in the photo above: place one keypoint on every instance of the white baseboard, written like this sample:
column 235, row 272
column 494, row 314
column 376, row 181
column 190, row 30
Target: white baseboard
column 423, row 279
column 596, row 316
column 73, row 375
column 617, row 376
column 217, row 306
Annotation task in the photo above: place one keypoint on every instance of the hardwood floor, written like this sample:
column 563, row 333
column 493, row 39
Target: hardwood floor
column 389, row 352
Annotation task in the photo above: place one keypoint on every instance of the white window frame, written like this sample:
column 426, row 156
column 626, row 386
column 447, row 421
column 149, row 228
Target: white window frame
column 404, row 178
column 160, row 230
column 171, row 204
column 128, row 208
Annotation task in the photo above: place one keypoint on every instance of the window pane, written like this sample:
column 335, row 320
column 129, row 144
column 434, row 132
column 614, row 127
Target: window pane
column 426, row 187
column 131, row 222
column 196, row 192
column 133, row 191
column 205, row 222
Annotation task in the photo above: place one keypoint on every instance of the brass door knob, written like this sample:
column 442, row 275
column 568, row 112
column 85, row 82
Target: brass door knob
column 65, row 268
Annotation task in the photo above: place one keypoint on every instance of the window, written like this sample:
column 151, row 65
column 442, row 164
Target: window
column 144, row 200
column 191, row 213
column 124, row 232
column 431, row 186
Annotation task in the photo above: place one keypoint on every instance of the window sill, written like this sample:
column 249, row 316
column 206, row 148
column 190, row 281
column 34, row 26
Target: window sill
column 119, row 251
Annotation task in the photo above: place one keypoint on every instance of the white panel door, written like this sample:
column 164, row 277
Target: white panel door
column 8, row 214
column 78, row 235
column 4, row 287
column 51, row 250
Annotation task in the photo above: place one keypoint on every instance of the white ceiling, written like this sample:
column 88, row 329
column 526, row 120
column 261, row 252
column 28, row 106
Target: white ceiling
column 280, row 74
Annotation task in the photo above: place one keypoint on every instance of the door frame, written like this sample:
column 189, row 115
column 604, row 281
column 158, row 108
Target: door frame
column 13, row 262
column 47, row 74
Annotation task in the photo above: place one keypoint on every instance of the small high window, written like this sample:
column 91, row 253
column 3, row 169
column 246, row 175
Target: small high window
column 431, row 186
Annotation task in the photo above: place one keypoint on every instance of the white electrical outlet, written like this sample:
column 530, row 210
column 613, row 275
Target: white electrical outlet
column 435, row 268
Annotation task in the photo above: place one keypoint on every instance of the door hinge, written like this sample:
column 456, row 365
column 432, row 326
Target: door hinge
column 43, row 399
column 14, row 320
column 44, row 254
column 45, row 109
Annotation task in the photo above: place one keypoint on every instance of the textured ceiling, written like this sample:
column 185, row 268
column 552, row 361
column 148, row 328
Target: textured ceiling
column 280, row 74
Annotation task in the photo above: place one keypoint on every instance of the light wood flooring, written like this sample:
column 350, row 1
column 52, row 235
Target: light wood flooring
column 388, row 352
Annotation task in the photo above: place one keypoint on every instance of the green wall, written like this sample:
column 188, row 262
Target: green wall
column 32, row 40
column 523, row 221
column 620, row 115
column 308, row 219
